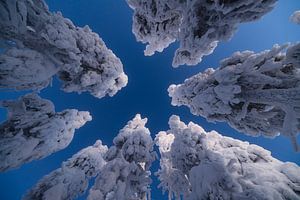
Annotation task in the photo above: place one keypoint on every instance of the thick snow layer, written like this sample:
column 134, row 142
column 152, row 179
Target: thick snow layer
column 295, row 17
column 257, row 94
column 72, row 179
column 201, row 165
column 34, row 130
column 126, row 174
column 198, row 25
column 46, row 43
column 25, row 69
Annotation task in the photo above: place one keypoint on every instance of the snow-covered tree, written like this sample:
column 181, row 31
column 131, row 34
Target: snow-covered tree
column 72, row 179
column 257, row 94
column 24, row 68
column 126, row 174
column 42, row 44
column 198, row 25
column 295, row 17
column 34, row 130
column 199, row 165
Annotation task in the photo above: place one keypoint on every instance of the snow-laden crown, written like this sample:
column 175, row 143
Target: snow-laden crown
column 41, row 44
column 201, row 165
column 34, row 130
column 198, row 25
column 256, row 93
column 126, row 174
column 72, row 179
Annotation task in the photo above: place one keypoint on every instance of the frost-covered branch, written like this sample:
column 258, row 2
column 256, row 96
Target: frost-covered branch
column 34, row 130
column 257, row 94
column 198, row 25
column 201, row 165
column 126, row 174
column 72, row 179
column 43, row 44
column 295, row 17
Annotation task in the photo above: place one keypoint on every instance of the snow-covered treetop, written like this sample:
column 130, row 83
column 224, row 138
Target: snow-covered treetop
column 126, row 174
column 90, row 160
column 72, row 179
column 201, row 165
column 34, row 130
column 295, row 17
column 257, row 94
column 44, row 43
column 135, row 142
column 198, row 25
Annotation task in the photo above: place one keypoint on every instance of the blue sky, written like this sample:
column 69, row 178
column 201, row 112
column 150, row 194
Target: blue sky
column 146, row 92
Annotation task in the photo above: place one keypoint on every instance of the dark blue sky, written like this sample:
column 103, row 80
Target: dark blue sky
column 146, row 92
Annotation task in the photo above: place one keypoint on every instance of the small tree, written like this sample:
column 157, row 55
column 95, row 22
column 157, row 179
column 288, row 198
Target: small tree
column 257, row 94
column 42, row 44
column 72, row 179
column 198, row 25
column 199, row 165
column 126, row 174
column 34, row 130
